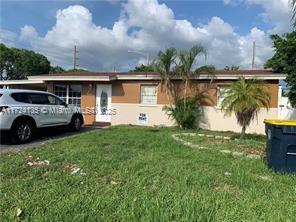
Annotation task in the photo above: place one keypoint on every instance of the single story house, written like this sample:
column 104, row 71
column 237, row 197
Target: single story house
column 137, row 98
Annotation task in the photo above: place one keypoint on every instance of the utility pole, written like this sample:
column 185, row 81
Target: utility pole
column 141, row 53
column 75, row 52
column 254, row 55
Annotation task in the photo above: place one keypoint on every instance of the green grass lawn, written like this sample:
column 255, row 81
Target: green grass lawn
column 253, row 144
column 143, row 174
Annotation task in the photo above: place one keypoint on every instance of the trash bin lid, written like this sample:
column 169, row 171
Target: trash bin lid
column 279, row 122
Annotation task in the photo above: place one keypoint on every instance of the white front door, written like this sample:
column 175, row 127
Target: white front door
column 103, row 103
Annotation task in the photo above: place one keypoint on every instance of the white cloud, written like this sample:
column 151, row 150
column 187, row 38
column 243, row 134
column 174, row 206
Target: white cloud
column 143, row 25
column 232, row 2
column 263, row 49
column 276, row 12
column 28, row 33
column 7, row 37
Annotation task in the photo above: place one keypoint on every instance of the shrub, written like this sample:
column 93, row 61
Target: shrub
column 188, row 118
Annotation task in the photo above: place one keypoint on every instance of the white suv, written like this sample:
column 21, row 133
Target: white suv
column 23, row 111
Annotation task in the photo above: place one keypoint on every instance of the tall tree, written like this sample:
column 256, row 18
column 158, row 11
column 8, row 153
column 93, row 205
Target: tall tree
column 19, row 63
column 6, row 62
column 231, row 68
column 284, row 61
column 164, row 66
column 144, row 68
column 170, row 64
column 186, row 62
column 245, row 98
column 56, row 69
column 76, row 70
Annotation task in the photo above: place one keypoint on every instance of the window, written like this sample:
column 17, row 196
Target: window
column 221, row 95
column 61, row 91
column 38, row 98
column 148, row 94
column 71, row 94
column 74, row 96
column 31, row 98
column 20, row 97
column 55, row 100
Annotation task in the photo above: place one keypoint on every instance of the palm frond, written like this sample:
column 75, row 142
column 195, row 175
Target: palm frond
column 187, row 58
column 245, row 98
column 164, row 65
column 209, row 69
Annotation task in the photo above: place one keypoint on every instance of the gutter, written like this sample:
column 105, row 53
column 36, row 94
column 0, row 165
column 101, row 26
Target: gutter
column 108, row 78
column 21, row 82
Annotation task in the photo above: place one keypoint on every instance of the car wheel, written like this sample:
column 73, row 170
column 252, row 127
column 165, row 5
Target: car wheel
column 76, row 123
column 22, row 132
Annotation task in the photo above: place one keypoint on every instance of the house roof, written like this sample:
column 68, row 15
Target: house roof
column 215, row 72
column 22, row 82
column 243, row 72
column 100, row 73
column 110, row 76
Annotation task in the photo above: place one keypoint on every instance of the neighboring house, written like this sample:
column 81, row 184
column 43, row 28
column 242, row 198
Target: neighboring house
column 137, row 98
column 286, row 111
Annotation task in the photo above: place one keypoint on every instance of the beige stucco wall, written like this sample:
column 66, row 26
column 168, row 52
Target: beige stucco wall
column 213, row 118
column 127, row 113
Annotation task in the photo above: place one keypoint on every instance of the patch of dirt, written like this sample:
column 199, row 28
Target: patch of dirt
column 256, row 152
column 248, row 146
column 205, row 140
column 73, row 169
column 36, row 162
column 70, row 167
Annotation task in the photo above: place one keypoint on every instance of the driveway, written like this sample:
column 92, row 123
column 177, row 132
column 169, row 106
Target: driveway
column 44, row 136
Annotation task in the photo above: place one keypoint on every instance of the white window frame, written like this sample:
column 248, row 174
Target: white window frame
column 141, row 98
column 67, row 98
column 62, row 97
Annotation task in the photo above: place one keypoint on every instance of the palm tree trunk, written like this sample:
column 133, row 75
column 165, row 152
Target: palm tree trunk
column 167, row 91
column 169, row 98
column 243, row 133
column 185, row 94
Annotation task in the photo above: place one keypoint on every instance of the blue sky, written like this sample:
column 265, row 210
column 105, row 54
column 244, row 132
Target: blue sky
column 41, row 14
column 247, row 19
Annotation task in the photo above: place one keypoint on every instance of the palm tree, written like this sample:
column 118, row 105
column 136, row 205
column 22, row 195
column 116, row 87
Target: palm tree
column 245, row 98
column 163, row 65
column 186, row 62
column 233, row 67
